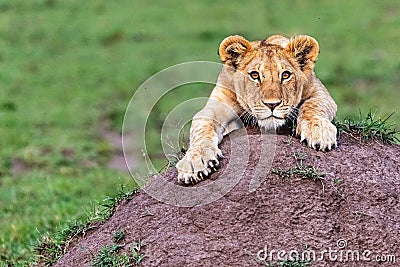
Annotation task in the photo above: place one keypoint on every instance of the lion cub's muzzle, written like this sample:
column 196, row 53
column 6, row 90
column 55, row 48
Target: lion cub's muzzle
column 272, row 105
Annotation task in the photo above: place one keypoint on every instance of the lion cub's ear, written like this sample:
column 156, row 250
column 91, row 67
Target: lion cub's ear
column 231, row 48
column 305, row 49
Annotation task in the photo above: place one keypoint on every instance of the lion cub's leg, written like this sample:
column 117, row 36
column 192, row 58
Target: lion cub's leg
column 314, row 122
column 208, row 127
column 203, row 153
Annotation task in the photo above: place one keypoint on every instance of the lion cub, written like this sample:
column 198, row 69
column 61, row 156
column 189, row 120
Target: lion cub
column 272, row 81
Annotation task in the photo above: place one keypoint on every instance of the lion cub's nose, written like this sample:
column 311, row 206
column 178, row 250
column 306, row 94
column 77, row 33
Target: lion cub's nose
column 272, row 105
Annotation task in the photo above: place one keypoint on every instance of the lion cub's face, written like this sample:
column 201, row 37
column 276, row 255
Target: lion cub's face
column 268, row 76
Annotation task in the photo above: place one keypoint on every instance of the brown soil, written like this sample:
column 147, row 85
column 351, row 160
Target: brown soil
column 354, row 209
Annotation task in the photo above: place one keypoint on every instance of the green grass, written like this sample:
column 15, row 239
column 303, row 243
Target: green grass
column 109, row 256
column 370, row 128
column 51, row 247
column 68, row 65
column 118, row 235
column 300, row 170
column 305, row 172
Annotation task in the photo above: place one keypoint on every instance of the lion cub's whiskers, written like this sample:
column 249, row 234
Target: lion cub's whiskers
column 248, row 118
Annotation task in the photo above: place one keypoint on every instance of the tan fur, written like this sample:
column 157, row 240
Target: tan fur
column 286, row 84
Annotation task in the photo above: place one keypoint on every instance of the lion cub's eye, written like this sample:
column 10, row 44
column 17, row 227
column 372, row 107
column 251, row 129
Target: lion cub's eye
column 254, row 75
column 286, row 75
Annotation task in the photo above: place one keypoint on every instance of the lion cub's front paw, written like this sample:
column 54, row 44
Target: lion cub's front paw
column 199, row 162
column 319, row 133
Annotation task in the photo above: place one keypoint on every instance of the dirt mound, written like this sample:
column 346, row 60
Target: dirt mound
column 351, row 217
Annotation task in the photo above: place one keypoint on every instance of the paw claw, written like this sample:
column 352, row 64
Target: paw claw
column 198, row 163
column 319, row 133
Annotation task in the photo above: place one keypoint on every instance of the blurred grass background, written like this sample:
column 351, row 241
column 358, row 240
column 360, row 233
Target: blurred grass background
column 68, row 66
